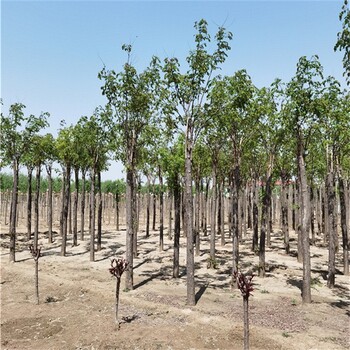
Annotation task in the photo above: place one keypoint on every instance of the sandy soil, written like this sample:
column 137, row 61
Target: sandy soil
column 76, row 309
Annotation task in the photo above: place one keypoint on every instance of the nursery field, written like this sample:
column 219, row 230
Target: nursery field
column 76, row 309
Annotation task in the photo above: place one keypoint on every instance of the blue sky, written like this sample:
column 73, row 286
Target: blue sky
column 52, row 51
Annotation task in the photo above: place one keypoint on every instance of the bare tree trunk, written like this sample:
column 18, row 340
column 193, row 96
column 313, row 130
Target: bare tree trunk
column 65, row 208
column 49, row 202
column 331, row 228
column 344, row 203
column 99, row 212
column 154, row 206
column 177, row 205
column 285, row 229
column 305, row 225
column 170, row 209
column 75, row 207
column 82, row 204
column 196, row 217
column 161, row 212
column 92, row 214
column 191, row 299
column 29, row 203
column 213, row 215
column 36, row 207
column 222, row 194
column 13, row 213
column 255, row 247
column 148, row 205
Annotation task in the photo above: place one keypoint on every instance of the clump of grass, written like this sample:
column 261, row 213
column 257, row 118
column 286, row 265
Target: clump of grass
column 264, row 291
column 212, row 263
column 316, row 282
column 286, row 335
column 50, row 299
column 294, row 302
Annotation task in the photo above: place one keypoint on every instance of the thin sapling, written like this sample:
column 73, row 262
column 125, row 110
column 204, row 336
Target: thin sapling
column 118, row 266
column 35, row 252
column 245, row 285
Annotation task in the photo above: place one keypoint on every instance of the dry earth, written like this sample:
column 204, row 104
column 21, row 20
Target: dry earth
column 76, row 309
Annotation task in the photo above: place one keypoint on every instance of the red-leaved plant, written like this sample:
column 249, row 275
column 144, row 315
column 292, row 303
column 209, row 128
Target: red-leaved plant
column 35, row 252
column 245, row 285
column 118, row 266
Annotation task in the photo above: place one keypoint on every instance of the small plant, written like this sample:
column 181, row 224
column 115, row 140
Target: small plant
column 285, row 334
column 315, row 282
column 50, row 299
column 35, row 252
column 264, row 291
column 294, row 302
column 212, row 263
column 118, row 266
column 245, row 285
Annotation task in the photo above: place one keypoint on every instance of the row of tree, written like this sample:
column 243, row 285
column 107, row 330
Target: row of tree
column 168, row 123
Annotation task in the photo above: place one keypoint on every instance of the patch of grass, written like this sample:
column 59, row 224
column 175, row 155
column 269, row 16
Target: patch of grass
column 294, row 302
column 286, row 335
column 264, row 291
column 316, row 282
column 212, row 263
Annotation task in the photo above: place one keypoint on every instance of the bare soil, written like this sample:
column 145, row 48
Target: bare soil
column 76, row 309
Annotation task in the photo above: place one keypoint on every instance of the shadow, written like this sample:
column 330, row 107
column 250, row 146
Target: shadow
column 25, row 259
column 141, row 263
column 295, row 283
column 145, row 281
column 200, row 292
column 341, row 304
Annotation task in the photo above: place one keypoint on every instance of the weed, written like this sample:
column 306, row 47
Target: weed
column 286, row 335
column 264, row 291
column 294, row 302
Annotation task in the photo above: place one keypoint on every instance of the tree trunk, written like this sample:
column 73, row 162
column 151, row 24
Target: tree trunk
column 246, row 323
column 344, row 203
column 196, row 215
column 170, row 201
column 130, row 224
column 36, row 207
column 29, row 203
column 49, row 202
column 305, row 225
column 82, row 204
column 235, row 221
column 75, row 207
column 65, row 200
column 13, row 213
column 92, row 214
column 148, row 205
column 161, row 212
column 255, row 247
column 213, row 217
column 222, row 194
column 177, row 209
column 99, row 212
column 285, row 229
column 331, row 229
column 191, row 300
column 154, row 207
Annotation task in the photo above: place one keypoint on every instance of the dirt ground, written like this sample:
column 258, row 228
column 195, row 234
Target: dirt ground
column 76, row 309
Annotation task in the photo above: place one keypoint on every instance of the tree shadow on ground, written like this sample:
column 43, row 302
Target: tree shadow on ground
column 342, row 304
column 201, row 291
column 295, row 283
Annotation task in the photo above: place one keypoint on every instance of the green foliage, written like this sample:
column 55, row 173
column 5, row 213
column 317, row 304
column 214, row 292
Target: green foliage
column 343, row 42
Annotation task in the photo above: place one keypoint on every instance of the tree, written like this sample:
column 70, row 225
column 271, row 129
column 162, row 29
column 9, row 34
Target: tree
column 343, row 42
column 189, row 92
column 302, row 113
column 233, row 97
column 17, row 131
column 132, row 109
